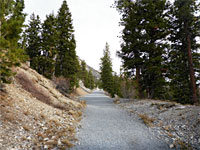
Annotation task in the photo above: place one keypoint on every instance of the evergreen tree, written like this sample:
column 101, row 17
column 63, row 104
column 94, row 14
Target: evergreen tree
column 117, row 85
column 184, row 55
column 49, row 46
column 67, row 64
column 144, row 43
column 84, row 74
column 106, row 71
column 11, row 23
column 91, row 80
column 34, row 42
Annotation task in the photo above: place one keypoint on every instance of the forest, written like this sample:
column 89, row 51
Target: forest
column 159, row 49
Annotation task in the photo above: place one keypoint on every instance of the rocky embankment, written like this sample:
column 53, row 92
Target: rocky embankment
column 178, row 124
column 34, row 115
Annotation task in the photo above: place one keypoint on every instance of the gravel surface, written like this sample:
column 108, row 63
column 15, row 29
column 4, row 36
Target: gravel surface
column 105, row 126
column 178, row 125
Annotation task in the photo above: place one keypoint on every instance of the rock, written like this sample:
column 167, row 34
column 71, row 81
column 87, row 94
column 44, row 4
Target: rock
column 171, row 146
column 45, row 139
column 71, row 112
column 44, row 128
column 29, row 138
column 59, row 142
column 46, row 147
column 51, row 142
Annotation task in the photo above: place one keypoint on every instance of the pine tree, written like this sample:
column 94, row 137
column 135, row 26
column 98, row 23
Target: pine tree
column 91, row 80
column 84, row 73
column 11, row 23
column 34, row 42
column 106, row 71
column 116, row 85
column 144, row 43
column 67, row 64
column 184, row 56
column 49, row 46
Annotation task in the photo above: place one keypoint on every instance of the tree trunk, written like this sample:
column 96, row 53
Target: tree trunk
column 138, row 83
column 191, row 67
column 0, row 28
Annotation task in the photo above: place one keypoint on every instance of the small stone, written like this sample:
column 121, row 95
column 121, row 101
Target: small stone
column 44, row 128
column 45, row 139
column 171, row 145
column 51, row 142
column 46, row 147
column 59, row 142
column 29, row 138
column 199, row 140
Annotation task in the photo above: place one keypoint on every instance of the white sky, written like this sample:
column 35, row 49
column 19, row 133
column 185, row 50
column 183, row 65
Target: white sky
column 95, row 23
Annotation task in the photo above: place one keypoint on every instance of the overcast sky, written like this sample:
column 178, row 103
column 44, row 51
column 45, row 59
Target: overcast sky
column 95, row 23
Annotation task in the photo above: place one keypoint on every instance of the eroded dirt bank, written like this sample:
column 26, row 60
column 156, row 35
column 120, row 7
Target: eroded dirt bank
column 35, row 115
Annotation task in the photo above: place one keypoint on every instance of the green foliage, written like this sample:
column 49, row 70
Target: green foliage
column 67, row 64
column 183, row 11
column 106, row 71
column 86, row 77
column 157, row 40
column 143, row 47
column 33, row 34
column 11, row 23
column 117, row 85
column 51, row 46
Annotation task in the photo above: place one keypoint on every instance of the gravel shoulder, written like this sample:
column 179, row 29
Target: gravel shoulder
column 105, row 126
column 178, row 125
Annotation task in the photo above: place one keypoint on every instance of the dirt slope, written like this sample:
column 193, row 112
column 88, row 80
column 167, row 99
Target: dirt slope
column 33, row 114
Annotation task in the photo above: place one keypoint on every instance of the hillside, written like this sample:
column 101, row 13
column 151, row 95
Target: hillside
column 95, row 73
column 34, row 114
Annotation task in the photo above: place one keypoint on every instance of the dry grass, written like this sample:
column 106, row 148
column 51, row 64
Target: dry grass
column 116, row 101
column 183, row 145
column 147, row 120
column 67, row 142
column 26, row 127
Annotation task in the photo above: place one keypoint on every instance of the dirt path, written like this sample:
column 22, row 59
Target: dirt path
column 107, row 127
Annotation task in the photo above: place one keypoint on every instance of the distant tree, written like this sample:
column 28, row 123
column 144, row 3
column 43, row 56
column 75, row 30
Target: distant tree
column 184, row 55
column 91, row 83
column 67, row 64
column 34, row 48
column 11, row 23
column 83, row 73
column 106, row 71
column 117, row 85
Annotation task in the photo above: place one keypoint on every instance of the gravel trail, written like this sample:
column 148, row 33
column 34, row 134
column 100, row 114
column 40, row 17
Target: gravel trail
column 107, row 127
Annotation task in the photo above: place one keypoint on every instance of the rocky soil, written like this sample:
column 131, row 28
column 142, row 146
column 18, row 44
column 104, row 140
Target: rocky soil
column 34, row 115
column 178, row 125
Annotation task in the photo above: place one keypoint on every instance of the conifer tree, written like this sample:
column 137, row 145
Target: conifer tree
column 184, row 55
column 116, row 85
column 84, row 73
column 67, row 64
column 91, row 80
column 106, row 71
column 49, row 46
column 11, row 23
column 143, row 48
column 34, row 41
